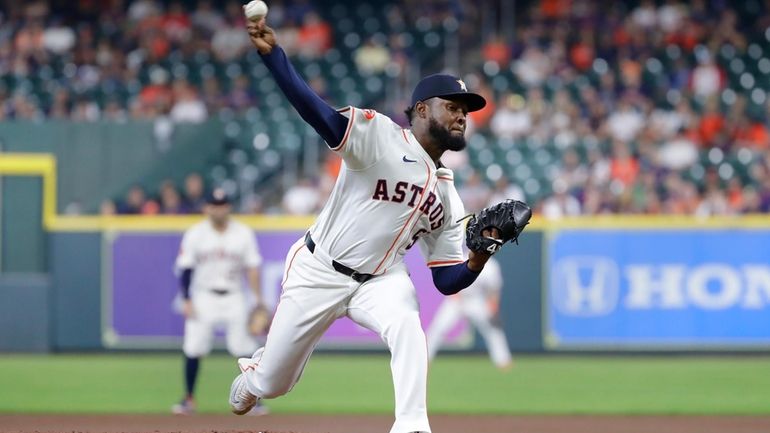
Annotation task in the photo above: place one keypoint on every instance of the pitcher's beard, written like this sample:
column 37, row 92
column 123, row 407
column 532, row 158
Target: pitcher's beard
column 444, row 137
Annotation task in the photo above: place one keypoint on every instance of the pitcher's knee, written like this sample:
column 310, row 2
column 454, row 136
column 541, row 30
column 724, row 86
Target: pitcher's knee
column 275, row 390
column 407, row 323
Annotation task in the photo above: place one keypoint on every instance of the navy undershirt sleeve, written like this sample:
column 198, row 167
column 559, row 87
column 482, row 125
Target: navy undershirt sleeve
column 329, row 123
column 184, row 282
column 451, row 279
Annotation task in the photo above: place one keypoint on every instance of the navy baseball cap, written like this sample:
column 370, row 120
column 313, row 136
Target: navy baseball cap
column 447, row 87
column 218, row 197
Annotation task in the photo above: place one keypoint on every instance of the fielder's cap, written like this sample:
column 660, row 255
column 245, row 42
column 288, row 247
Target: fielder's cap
column 218, row 197
column 447, row 87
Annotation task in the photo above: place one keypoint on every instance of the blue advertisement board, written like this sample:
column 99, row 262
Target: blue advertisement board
column 652, row 289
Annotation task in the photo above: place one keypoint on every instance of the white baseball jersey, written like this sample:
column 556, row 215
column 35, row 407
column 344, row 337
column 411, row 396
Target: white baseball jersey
column 218, row 259
column 389, row 194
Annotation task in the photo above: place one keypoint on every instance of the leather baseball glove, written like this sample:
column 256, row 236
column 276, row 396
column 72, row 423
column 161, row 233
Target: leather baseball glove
column 260, row 320
column 509, row 218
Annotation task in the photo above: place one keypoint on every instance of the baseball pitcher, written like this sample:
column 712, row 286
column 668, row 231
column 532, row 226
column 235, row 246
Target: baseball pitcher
column 392, row 193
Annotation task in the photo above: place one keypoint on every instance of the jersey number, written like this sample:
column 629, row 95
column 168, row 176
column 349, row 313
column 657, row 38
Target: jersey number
column 416, row 237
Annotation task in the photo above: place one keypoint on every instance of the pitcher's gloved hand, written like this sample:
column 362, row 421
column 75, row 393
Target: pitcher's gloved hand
column 509, row 218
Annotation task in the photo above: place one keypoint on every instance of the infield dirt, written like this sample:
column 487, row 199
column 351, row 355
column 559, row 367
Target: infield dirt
column 381, row 424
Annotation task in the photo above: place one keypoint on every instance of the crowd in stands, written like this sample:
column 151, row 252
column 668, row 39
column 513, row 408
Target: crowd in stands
column 167, row 200
column 57, row 55
column 650, row 107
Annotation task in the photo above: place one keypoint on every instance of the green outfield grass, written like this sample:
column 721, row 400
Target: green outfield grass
column 361, row 384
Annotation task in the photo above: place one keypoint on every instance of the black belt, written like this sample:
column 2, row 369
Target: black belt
column 220, row 292
column 339, row 267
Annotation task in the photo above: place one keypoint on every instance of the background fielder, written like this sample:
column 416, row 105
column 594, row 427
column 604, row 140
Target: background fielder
column 479, row 304
column 213, row 258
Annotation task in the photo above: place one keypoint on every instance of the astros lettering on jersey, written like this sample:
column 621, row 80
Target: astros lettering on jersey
column 389, row 195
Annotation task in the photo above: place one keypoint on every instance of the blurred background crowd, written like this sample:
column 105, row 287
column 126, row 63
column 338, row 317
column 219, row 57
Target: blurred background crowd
column 636, row 107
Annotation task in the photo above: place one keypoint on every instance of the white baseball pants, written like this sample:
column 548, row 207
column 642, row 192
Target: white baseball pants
column 476, row 310
column 314, row 296
column 213, row 311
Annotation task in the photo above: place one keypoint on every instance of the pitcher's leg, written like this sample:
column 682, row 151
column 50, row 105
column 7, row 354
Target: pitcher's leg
column 388, row 305
column 313, row 298
column 293, row 335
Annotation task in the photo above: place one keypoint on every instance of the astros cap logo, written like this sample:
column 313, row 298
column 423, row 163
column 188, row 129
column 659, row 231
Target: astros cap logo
column 462, row 85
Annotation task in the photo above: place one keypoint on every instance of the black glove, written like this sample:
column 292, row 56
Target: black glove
column 509, row 218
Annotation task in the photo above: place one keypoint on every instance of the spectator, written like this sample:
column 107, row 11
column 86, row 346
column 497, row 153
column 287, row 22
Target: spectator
column 681, row 197
column 711, row 123
column 315, row 36
column 474, row 193
column 61, row 105
column 624, row 167
column 665, row 123
column 134, row 202
column 187, row 108
column 194, row 193
column 212, row 95
column 752, row 202
column 625, row 122
column 372, row 57
column 645, row 15
column 671, row 15
column 301, row 199
column 241, row 97
column 207, row 18
column 170, row 201
column 678, row 153
column 156, row 98
column 561, row 204
column 176, row 23
column 58, row 38
column 512, row 119
column 85, row 110
column 706, row 80
column 230, row 41
column 572, row 172
column 107, row 208
column 714, row 202
column 752, row 133
column 582, row 53
column 504, row 190
column 496, row 50
column 736, row 196
column 479, row 119
column 532, row 67
column 114, row 112
column 141, row 9
column 643, row 197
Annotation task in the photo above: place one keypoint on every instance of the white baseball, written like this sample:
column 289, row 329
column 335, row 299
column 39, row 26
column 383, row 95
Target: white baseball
column 255, row 9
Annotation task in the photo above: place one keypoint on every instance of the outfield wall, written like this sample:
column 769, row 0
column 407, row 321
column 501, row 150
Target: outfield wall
column 603, row 283
column 115, row 290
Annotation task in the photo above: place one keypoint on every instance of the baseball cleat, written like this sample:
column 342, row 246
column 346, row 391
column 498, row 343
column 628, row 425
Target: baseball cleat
column 184, row 407
column 241, row 400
